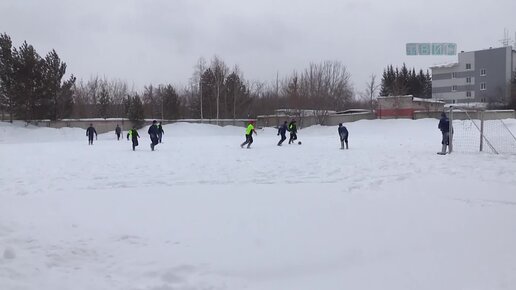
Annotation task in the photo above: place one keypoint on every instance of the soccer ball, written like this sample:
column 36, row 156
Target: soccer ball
column 299, row 143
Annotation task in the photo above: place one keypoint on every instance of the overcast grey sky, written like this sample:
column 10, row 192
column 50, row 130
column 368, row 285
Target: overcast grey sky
column 160, row 41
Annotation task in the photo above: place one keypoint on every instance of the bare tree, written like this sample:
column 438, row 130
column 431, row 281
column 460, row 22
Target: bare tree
column 326, row 86
column 118, row 90
column 200, row 67
column 371, row 90
column 152, row 101
column 220, row 70
column 237, row 72
column 291, row 90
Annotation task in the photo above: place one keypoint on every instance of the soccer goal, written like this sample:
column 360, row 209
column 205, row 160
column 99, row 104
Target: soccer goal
column 475, row 130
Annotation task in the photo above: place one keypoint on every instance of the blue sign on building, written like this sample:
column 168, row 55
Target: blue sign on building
column 431, row 48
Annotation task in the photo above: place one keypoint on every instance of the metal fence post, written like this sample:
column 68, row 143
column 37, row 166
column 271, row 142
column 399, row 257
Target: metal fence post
column 481, row 131
column 450, row 132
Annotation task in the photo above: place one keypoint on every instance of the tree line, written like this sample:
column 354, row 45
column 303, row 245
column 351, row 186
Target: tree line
column 31, row 86
column 34, row 88
column 404, row 81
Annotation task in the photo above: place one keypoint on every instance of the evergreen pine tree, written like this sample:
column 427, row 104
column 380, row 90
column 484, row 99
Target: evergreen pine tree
column 403, row 78
column 414, row 85
column 422, row 83
column 65, row 98
column 135, row 112
column 208, row 85
column 427, row 93
column 237, row 95
column 28, row 76
column 7, row 96
column 53, row 72
column 171, row 103
column 384, row 87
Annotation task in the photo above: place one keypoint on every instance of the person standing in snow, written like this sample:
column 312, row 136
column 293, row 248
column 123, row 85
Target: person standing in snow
column 292, row 128
column 249, row 135
column 444, row 126
column 343, row 134
column 153, row 132
column 160, row 132
column 133, row 134
column 282, row 131
column 89, row 133
column 118, row 132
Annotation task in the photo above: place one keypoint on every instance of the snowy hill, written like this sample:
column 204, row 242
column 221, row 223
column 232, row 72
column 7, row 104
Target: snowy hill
column 202, row 213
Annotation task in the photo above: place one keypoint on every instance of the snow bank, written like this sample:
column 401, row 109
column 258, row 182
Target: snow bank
column 19, row 132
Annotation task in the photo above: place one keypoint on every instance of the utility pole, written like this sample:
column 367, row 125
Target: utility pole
column 201, row 72
column 200, row 90
column 162, row 105
column 218, row 96
column 277, row 90
column 234, row 101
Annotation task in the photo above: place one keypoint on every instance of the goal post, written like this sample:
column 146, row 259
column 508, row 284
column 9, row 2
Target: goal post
column 480, row 130
column 450, row 130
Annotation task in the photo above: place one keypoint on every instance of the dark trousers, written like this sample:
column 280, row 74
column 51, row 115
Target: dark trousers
column 90, row 140
column 343, row 140
column 118, row 136
column 248, row 140
column 283, row 138
column 159, row 137
column 154, row 140
column 446, row 138
column 135, row 143
column 293, row 137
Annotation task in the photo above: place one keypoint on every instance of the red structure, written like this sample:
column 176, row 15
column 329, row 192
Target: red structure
column 394, row 107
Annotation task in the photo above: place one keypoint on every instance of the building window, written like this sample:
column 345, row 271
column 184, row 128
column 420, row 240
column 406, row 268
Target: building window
column 468, row 66
column 468, row 80
column 468, row 94
column 454, row 88
column 483, row 86
column 483, row 72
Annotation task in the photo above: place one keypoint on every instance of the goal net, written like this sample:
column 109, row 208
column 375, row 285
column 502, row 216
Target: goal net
column 477, row 130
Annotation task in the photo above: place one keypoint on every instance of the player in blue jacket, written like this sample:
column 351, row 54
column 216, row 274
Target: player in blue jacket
column 282, row 130
column 343, row 134
column 89, row 133
column 444, row 126
column 153, row 132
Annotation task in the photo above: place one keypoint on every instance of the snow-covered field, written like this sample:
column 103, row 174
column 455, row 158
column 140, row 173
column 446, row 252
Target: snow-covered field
column 201, row 213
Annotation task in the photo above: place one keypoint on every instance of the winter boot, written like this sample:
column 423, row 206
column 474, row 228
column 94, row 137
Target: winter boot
column 443, row 150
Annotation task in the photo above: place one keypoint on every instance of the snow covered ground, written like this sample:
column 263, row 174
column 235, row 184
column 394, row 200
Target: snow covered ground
column 201, row 213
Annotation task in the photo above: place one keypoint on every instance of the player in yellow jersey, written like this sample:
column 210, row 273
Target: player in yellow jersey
column 249, row 135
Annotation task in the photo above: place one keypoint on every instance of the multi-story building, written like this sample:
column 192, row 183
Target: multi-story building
column 478, row 76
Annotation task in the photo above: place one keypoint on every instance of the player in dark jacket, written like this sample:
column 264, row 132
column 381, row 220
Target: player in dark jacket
column 343, row 134
column 282, row 131
column 133, row 134
column 153, row 132
column 292, row 128
column 89, row 132
column 118, row 132
column 160, row 132
column 444, row 126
